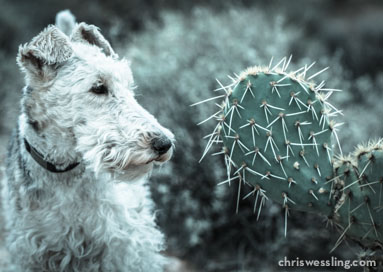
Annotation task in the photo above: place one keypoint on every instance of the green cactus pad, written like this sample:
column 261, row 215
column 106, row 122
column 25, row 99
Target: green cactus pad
column 278, row 138
column 361, row 178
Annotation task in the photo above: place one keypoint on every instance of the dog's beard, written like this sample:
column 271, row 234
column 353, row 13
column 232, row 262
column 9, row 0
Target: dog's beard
column 140, row 167
column 122, row 165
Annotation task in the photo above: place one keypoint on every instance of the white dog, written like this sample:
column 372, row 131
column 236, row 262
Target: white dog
column 75, row 197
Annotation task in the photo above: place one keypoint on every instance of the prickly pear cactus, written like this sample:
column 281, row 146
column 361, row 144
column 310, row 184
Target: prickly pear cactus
column 360, row 177
column 278, row 138
column 277, row 134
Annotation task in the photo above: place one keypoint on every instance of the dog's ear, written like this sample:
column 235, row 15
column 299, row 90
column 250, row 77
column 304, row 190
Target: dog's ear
column 39, row 58
column 90, row 34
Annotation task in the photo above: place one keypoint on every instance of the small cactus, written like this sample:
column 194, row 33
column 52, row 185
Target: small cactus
column 359, row 178
column 277, row 137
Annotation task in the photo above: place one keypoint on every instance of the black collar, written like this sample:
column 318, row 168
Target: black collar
column 39, row 158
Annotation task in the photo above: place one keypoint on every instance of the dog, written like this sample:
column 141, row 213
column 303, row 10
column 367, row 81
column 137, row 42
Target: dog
column 75, row 197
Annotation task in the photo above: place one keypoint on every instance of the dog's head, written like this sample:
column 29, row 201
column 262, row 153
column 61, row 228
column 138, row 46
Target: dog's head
column 79, row 88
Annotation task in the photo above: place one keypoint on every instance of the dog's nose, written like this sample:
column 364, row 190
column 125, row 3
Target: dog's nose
column 161, row 144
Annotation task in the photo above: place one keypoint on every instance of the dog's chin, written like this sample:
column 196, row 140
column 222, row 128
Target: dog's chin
column 139, row 170
column 132, row 173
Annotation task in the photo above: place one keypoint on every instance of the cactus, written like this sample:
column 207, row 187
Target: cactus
column 277, row 137
column 359, row 178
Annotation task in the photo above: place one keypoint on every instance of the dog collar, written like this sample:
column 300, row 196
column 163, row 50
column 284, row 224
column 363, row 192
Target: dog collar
column 39, row 158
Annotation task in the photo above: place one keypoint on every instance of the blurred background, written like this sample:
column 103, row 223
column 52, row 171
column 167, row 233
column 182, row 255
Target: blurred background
column 177, row 49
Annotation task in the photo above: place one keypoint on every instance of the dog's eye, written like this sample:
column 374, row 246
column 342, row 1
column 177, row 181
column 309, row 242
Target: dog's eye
column 99, row 89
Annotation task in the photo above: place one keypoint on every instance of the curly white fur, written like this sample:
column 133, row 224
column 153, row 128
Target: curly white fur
column 98, row 216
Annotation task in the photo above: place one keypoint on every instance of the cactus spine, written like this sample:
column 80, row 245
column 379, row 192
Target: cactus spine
column 278, row 138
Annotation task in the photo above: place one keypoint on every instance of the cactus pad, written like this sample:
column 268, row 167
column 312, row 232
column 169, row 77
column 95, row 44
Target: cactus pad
column 360, row 178
column 278, row 135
